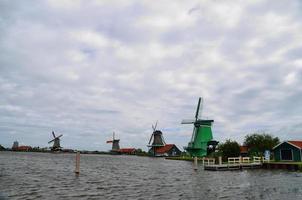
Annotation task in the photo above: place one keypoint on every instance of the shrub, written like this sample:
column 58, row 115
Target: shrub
column 258, row 143
column 229, row 149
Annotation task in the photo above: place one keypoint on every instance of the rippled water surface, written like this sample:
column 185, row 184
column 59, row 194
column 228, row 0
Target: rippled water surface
column 51, row 176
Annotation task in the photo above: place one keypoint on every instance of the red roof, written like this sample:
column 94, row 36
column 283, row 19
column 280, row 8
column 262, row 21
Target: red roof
column 296, row 143
column 23, row 148
column 243, row 149
column 126, row 150
column 165, row 148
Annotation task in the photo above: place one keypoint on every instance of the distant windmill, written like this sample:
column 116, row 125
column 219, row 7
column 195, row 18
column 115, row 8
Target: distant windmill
column 202, row 133
column 56, row 142
column 115, row 143
column 158, row 140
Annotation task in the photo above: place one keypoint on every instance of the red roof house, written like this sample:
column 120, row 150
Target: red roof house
column 127, row 151
column 296, row 143
column 23, row 148
column 168, row 150
column 244, row 150
column 288, row 151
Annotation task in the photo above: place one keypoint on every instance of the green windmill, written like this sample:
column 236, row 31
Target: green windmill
column 202, row 134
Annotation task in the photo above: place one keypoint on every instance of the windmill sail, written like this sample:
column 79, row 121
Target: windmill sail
column 199, row 109
column 188, row 121
column 193, row 134
column 151, row 137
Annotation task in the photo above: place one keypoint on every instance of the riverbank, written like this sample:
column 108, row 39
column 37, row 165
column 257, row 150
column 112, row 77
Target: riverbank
column 292, row 166
column 183, row 158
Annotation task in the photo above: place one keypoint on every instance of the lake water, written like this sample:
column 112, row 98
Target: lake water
column 51, row 176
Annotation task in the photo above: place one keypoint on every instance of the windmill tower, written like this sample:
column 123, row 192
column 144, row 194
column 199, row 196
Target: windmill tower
column 56, row 142
column 115, row 143
column 15, row 145
column 202, row 133
column 158, row 140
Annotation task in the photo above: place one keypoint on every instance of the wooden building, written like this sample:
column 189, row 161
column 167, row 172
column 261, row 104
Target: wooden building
column 288, row 151
column 23, row 148
column 244, row 151
column 129, row 151
column 167, row 150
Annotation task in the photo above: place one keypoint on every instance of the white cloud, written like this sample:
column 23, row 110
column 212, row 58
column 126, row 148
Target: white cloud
column 66, row 4
column 91, row 38
column 290, row 78
column 93, row 67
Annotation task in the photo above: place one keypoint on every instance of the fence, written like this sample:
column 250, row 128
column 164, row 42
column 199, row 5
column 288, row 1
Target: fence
column 208, row 161
column 234, row 160
column 257, row 159
column 238, row 160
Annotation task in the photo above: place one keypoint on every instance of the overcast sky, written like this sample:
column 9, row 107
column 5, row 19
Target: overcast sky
column 87, row 68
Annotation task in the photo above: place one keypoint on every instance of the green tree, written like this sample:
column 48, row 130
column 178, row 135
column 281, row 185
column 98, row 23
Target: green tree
column 139, row 150
column 258, row 143
column 229, row 149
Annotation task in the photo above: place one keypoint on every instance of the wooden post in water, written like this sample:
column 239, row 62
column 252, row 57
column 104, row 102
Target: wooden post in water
column 195, row 163
column 220, row 160
column 77, row 169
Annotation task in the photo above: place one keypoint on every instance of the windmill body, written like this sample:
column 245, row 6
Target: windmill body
column 115, row 144
column 202, row 134
column 56, row 142
column 157, row 140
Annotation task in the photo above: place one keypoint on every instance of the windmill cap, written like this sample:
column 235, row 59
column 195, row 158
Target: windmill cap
column 157, row 132
column 204, row 122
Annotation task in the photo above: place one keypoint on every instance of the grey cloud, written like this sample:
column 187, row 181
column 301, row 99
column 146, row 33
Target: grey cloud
column 127, row 74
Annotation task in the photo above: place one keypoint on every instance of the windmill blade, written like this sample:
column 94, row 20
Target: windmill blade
column 53, row 134
column 193, row 134
column 155, row 125
column 200, row 109
column 51, row 141
column 162, row 139
column 151, row 138
column 153, row 128
column 188, row 121
column 197, row 110
column 59, row 136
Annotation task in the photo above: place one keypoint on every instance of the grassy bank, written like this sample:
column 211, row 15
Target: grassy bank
column 185, row 158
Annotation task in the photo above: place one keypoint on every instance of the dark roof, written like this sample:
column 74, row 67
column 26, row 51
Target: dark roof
column 207, row 122
column 157, row 132
column 165, row 148
column 111, row 141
